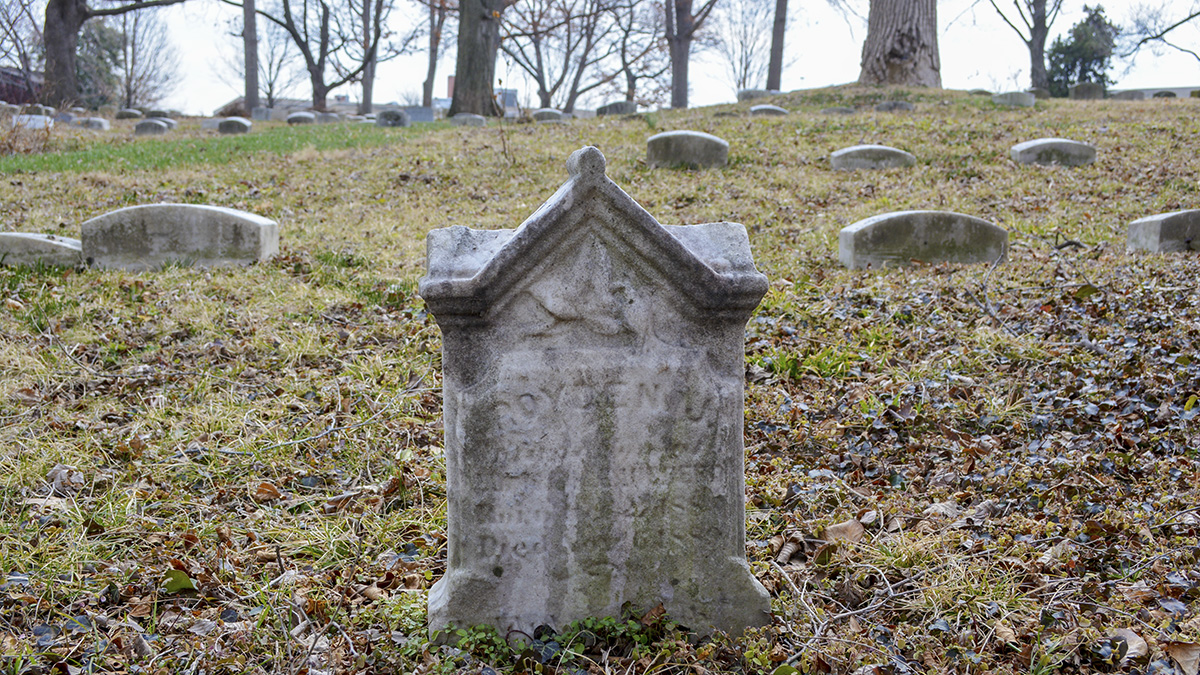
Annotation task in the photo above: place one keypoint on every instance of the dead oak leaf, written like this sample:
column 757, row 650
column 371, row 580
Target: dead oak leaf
column 1186, row 655
column 265, row 492
column 849, row 530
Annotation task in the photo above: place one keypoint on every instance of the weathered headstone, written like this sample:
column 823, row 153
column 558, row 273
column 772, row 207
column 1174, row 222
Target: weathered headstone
column 302, row 117
column 171, row 124
column 593, row 391
column 23, row 248
column 895, row 106
column 33, row 121
column 871, row 157
column 766, row 109
column 418, row 113
column 93, row 123
column 895, row 239
column 1130, row 95
column 1086, row 91
column 751, row 94
column 128, row 114
column 1048, row 151
column 838, row 110
column 617, row 108
column 78, row 111
column 1015, row 99
column 686, row 149
column 468, row 120
column 261, row 114
column 148, row 237
column 150, row 128
column 328, row 117
column 1166, row 232
column 63, row 117
column 392, row 118
column 160, row 114
column 38, row 110
column 1164, row 94
column 546, row 115
column 234, row 125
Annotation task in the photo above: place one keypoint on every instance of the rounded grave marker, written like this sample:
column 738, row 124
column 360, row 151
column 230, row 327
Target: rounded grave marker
column 25, row 248
column 768, row 110
column 547, row 115
column 871, row 157
column 171, row 124
column 150, row 236
column 468, row 120
column 93, row 123
column 391, row 118
column 234, row 125
column 617, row 108
column 900, row 238
column 302, row 117
column 150, row 128
column 1166, row 232
column 1050, row 151
column 688, row 149
column 129, row 114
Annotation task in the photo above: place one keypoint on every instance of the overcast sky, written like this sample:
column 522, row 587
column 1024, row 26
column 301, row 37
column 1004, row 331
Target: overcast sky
column 823, row 48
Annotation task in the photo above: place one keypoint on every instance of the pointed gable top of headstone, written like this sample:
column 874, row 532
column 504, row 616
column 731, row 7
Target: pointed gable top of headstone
column 470, row 271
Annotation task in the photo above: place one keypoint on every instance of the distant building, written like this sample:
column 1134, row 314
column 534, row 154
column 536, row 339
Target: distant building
column 13, row 89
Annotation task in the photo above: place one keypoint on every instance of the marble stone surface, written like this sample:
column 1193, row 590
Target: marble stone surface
column 302, row 117
column 686, row 149
column 147, row 237
column 546, row 115
column 900, row 238
column 392, row 118
column 128, row 114
column 1087, row 91
column 871, row 157
column 24, row 248
column 468, row 120
column 768, row 110
column 234, row 125
column 1015, row 99
column 617, row 108
column 150, row 128
column 93, row 123
column 1166, row 232
column 593, row 389
column 1050, row 151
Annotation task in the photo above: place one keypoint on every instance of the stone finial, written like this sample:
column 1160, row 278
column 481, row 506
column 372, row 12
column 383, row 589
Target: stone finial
column 586, row 162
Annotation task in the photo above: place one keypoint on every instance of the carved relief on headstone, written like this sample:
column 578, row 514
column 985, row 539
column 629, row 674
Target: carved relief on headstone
column 593, row 391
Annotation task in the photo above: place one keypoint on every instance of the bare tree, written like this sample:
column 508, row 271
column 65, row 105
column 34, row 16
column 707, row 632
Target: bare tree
column 778, row 32
column 641, row 51
column 743, row 34
column 250, row 55
column 559, row 44
column 149, row 67
column 20, row 35
column 1156, row 25
column 1035, row 18
column 475, row 71
column 326, row 35
column 278, row 72
column 60, row 37
column 682, row 25
column 369, row 49
column 434, row 30
column 901, row 45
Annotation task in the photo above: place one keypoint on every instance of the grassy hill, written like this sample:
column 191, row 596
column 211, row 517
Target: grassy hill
column 949, row 468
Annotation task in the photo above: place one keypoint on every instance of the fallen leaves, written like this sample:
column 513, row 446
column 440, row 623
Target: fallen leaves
column 1186, row 655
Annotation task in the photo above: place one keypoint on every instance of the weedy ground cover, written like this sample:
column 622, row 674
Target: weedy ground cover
column 950, row 469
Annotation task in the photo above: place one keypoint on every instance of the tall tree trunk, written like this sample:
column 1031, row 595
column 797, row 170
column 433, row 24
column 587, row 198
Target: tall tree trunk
column 64, row 20
column 901, row 45
column 1038, row 77
column 681, row 25
column 250, row 50
column 775, row 67
column 368, row 74
column 437, row 19
column 475, row 71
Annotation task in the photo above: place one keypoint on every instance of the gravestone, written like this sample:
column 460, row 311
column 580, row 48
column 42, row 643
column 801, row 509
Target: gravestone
column 895, row 106
column 1049, row 151
column 896, row 239
column 468, row 120
column 1086, row 91
column 1130, row 95
column 751, row 94
column 870, row 157
column 1015, row 99
column 23, row 248
column 593, row 391
column 160, row 114
column 261, row 114
column 328, row 117
column 171, row 124
column 129, row 114
column 546, row 115
column 617, row 108
column 78, row 110
column 1166, row 232
column 418, row 113
column 150, row 128
column 38, row 110
column 64, row 117
column 147, row 237
column 234, row 125
column 979, row 92
column 686, row 149
column 1164, row 94
column 391, row 118
column 211, row 123
column 838, row 110
column 93, row 123
column 35, row 122
column 768, row 110
column 302, row 117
